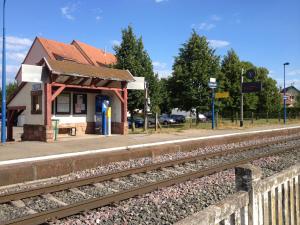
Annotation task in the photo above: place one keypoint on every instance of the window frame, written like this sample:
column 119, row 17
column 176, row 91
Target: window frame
column 84, row 101
column 70, row 103
column 38, row 94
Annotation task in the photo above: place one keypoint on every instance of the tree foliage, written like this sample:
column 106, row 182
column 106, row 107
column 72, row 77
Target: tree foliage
column 132, row 56
column 192, row 68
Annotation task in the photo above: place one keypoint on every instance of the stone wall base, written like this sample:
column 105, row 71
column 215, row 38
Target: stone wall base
column 37, row 133
column 119, row 128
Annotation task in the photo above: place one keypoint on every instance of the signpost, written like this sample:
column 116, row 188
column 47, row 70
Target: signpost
column 222, row 95
column 248, row 87
column 251, row 87
column 212, row 84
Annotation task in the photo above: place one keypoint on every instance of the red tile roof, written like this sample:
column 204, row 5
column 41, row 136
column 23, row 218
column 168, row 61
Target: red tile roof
column 95, row 56
column 55, row 48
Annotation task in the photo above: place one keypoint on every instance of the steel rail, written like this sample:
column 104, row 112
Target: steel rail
column 113, row 175
column 89, row 204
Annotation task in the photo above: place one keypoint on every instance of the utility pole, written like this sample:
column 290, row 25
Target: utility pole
column 213, row 108
column 242, row 100
column 3, row 110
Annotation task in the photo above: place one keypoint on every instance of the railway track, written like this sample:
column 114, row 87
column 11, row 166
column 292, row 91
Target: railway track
column 117, row 186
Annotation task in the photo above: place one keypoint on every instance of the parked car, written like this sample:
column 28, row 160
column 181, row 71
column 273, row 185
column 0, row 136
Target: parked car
column 178, row 118
column 165, row 119
column 138, row 122
column 202, row 117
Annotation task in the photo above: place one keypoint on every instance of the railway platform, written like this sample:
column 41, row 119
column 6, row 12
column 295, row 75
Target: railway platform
column 18, row 151
column 26, row 161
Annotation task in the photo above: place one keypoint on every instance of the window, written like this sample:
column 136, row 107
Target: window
column 63, row 104
column 79, row 103
column 36, row 102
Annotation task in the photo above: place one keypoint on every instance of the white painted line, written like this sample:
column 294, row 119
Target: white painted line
column 88, row 152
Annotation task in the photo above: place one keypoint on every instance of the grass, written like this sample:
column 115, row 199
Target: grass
column 222, row 124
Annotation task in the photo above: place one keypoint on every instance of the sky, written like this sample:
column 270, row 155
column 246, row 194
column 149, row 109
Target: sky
column 264, row 32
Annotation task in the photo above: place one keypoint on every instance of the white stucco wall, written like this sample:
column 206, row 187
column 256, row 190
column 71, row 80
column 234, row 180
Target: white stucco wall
column 89, row 117
column 23, row 98
column 36, row 53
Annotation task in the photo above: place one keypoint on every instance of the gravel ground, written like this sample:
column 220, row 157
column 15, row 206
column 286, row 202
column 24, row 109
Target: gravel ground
column 8, row 212
column 117, row 166
column 165, row 206
column 40, row 204
column 169, row 205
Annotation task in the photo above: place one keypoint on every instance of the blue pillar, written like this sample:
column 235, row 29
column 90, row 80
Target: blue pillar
column 213, row 108
column 284, row 97
column 3, row 119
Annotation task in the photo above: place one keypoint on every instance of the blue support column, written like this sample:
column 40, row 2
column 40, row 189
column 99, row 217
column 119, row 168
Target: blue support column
column 213, row 108
column 3, row 119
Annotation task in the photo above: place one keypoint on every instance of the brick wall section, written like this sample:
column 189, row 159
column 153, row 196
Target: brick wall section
column 37, row 133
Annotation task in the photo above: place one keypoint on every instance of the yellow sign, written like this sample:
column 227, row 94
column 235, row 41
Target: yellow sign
column 222, row 95
column 108, row 112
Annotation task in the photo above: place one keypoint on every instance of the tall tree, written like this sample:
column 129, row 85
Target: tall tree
column 132, row 56
column 192, row 68
column 269, row 98
column 231, row 70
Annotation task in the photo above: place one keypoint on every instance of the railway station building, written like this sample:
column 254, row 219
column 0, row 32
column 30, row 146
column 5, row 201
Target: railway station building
column 64, row 84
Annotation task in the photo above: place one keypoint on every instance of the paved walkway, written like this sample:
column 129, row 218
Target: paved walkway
column 21, row 150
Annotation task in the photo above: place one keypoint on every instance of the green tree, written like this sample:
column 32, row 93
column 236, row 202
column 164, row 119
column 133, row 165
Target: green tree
column 192, row 68
column 165, row 105
column 10, row 89
column 231, row 70
column 269, row 98
column 132, row 56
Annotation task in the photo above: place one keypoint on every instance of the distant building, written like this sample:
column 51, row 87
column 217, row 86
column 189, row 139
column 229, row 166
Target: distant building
column 291, row 92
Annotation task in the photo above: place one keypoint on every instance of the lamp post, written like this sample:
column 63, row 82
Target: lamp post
column 3, row 119
column 284, row 91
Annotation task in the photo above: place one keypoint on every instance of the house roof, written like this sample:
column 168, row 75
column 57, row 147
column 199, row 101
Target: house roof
column 95, row 56
column 290, row 88
column 57, row 49
column 84, row 70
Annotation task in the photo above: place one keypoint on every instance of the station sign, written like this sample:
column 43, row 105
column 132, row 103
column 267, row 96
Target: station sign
column 251, row 87
column 212, row 85
column 285, row 97
column 250, row 74
column 222, row 95
column 137, row 84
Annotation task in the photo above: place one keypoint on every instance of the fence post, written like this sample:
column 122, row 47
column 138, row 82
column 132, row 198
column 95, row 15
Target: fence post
column 217, row 119
column 267, row 117
column 247, row 178
column 252, row 117
column 236, row 117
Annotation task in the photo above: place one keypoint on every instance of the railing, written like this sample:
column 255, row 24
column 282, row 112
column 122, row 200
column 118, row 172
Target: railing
column 271, row 201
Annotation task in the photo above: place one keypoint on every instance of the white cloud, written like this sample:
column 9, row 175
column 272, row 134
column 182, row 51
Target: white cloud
column 68, row 11
column 115, row 42
column 16, row 43
column 159, row 1
column 206, row 26
column 215, row 18
column 159, row 65
column 10, row 68
column 218, row 43
column 161, row 68
column 98, row 18
column 295, row 72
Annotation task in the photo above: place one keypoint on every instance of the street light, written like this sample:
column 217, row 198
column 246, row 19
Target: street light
column 284, row 97
column 3, row 119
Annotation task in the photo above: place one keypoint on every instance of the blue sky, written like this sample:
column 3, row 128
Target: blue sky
column 266, row 33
